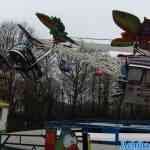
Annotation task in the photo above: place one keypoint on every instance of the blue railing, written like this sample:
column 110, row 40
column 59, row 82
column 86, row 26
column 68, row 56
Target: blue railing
column 87, row 127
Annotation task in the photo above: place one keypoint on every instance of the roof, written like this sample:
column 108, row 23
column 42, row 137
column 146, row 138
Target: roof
column 3, row 104
column 139, row 61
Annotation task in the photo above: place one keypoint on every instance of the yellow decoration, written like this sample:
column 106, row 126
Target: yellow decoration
column 3, row 104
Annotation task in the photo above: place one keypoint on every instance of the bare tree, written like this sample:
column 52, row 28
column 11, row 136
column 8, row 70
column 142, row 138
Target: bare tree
column 10, row 35
column 81, row 85
column 76, row 76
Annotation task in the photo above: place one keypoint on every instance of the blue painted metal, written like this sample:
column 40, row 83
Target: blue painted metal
column 102, row 127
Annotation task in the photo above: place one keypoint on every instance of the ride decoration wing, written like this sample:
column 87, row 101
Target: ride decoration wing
column 134, row 30
column 125, row 40
column 144, row 34
column 56, row 28
column 126, row 21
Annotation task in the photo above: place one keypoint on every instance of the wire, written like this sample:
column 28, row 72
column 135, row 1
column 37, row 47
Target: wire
column 90, row 38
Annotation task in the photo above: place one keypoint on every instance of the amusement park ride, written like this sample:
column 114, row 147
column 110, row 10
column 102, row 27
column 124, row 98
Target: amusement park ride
column 136, row 34
column 135, row 68
column 22, row 59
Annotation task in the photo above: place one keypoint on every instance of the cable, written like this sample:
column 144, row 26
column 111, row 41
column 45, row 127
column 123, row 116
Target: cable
column 90, row 38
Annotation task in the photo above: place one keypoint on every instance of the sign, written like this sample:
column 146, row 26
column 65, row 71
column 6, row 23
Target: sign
column 134, row 145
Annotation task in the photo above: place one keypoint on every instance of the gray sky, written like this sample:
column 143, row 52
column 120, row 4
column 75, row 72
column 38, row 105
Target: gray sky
column 83, row 18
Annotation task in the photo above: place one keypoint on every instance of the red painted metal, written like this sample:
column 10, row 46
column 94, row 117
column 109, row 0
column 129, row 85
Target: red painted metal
column 50, row 140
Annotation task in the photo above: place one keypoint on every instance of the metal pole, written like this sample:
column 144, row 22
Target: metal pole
column 117, row 137
column 43, row 56
column 34, row 147
column 20, row 139
column 46, row 68
column 85, row 140
column 0, row 142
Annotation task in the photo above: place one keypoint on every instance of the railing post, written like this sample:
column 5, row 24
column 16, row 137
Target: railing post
column 0, row 142
column 117, row 137
column 34, row 147
column 84, row 140
column 20, row 139
column 89, row 143
column 50, row 139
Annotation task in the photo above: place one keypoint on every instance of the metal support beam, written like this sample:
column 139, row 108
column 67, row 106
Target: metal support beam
column 85, row 140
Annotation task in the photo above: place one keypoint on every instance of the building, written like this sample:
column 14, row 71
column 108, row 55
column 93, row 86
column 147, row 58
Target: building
column 137, row 89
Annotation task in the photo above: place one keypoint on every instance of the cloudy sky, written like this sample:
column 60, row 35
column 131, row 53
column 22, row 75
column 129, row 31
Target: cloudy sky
column 83, row 18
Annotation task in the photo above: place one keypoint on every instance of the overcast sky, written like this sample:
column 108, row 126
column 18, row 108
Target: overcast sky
column 82, row 18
